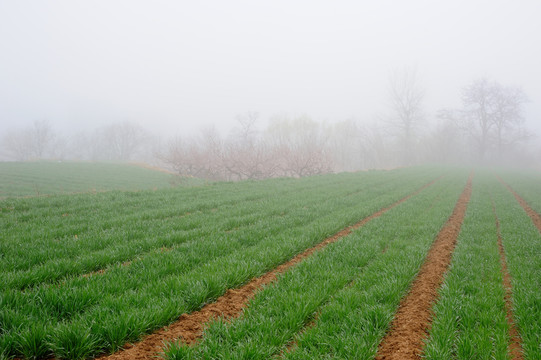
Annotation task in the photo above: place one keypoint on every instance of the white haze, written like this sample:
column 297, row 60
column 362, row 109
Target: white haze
column 177, row 66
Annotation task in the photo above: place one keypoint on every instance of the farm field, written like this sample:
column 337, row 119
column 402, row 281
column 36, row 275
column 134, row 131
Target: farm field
column 50, row 177
column 323, row 267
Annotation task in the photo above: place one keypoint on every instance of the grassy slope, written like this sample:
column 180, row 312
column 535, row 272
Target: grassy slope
column 47, row 178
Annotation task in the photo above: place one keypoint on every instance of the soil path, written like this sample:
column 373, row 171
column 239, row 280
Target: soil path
column 515, row 348
column 292, row 345
column 536, row 218
column 189, row 327
column 412, row 320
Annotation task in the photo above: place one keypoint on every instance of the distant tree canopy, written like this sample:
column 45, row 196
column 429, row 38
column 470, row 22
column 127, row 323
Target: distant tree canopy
column 406, row 103
column 33, row 142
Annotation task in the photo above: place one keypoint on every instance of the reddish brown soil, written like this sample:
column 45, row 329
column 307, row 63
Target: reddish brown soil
column 189, row 327
column 515, row 347
column 292, row 345
column 536, row 218
column 412, row 320
column 125, row 263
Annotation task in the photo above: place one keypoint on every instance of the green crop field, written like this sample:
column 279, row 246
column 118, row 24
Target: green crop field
column 83, row 274
column 49, row 178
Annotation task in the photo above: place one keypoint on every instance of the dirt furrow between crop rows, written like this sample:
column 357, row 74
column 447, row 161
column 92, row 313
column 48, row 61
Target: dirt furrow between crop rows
column 290, row 347
column 163, row 249
column 412, row 320
column 189, row 327
column 515, row 347
column 536, row 218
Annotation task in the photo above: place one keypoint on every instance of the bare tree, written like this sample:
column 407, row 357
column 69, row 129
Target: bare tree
column 374, row 147
column 247, row 132
column 194, row 157
column 247, row 155
column 406, row 99
column 177, row 157
column 492, row 116
column 42, row 138
column 211, row 153
column 34, row 142
column 345, row 146
column 508, row 117
column 444, row 144
column 17, row 144
column 477, row 113
column 80, row 146
column 302, row 145
column 243, row 155
column 121, row 141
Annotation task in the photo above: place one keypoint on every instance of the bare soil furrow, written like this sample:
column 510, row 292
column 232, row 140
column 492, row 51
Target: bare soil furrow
column 412, row 320
column 292, row 345
column 189, row 327
column 515, row 347
column 536, row 218
column 162, row 249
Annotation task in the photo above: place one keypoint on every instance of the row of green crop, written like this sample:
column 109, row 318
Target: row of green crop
column 137, row 237
column 476, row 332
column 354, row 286
column 522, row 243
column 48, row 177
column 527, row 184
column 181, row 257
column 42, row 224
column 470, row 316
column 87, row 315
column 226, row 223
column 113, row 221
column 75, row 214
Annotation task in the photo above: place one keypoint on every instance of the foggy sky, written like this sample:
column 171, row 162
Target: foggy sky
column 177, row 66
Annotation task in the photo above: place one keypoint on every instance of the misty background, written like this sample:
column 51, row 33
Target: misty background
column 251, row 89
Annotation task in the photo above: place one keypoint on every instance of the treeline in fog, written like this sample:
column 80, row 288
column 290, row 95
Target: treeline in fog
column 122, row 141
column 486, row 129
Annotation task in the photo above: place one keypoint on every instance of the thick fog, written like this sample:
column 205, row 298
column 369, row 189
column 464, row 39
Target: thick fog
column 178, row 68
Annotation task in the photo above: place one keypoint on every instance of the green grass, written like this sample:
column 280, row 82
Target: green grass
column 279, row 312
column 168, row 251
column 469, row 317
column 354, row 323
column 522, row 243
column 49, row 178
column 527, row 184
column 217, row 236
column 124, row 225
